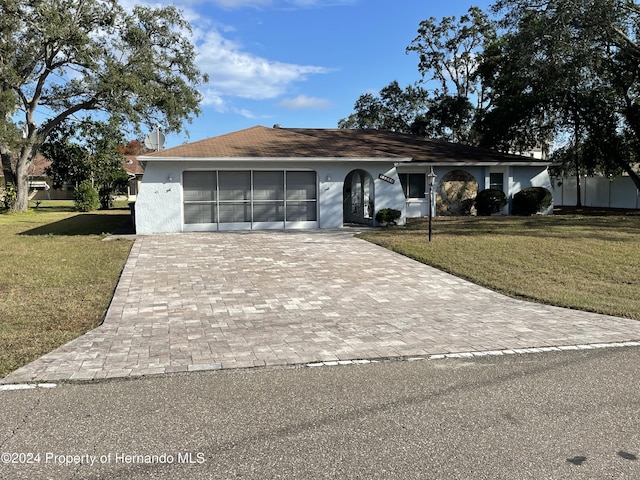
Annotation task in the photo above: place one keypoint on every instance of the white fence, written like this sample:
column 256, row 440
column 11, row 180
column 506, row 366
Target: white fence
column 618, row 192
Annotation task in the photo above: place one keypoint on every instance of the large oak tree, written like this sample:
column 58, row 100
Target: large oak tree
column 567, row 71
column 443, row 103
column 63, row 60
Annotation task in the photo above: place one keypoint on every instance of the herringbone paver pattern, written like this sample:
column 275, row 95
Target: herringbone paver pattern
column 190, row 302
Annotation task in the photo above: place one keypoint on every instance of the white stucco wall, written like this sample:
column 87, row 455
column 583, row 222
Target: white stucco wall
column 515, row 179
column 159, row 202
column 386, row 195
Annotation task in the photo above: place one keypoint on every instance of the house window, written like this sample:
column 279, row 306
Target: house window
column 413, row 184
column 249, row 196
column 496, row 181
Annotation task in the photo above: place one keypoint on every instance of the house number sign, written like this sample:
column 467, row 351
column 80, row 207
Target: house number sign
column 384, row 178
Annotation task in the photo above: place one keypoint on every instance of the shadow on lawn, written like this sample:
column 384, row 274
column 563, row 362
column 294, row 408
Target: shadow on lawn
column 87, row 224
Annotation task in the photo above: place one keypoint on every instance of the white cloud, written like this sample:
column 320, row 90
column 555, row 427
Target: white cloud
column 211, row 98
column 234, row 72
column 302, row 102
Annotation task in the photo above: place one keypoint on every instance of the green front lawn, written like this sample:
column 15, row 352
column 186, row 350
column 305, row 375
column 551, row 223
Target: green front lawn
column 583, row 262
column 57, row 277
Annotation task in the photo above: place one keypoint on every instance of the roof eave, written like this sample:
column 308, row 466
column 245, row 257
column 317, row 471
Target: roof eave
column 270, row 159
column 474, row 164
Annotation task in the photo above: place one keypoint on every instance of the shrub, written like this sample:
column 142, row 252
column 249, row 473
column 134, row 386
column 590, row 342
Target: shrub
column 86, row 198
column 490, row 201
column 387, row 216
column 531, row 200
column 9, row 195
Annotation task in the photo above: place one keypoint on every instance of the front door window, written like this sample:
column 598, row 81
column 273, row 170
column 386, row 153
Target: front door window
column 358, row 198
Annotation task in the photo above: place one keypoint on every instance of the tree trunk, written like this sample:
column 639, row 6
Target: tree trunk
column 22, row 184
column 627, row 168
column 21, row 177
column 7, row 167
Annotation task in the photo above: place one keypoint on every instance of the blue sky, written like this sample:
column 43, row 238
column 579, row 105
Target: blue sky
column 300, row 63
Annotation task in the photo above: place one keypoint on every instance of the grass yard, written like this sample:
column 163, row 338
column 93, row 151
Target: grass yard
column 57, row 277
column 577, row 261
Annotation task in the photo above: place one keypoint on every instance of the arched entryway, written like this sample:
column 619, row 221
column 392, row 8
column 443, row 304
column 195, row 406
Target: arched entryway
column 358, row 201
column 456, row 193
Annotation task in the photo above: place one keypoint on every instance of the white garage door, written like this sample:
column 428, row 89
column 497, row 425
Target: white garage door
column 249, row 199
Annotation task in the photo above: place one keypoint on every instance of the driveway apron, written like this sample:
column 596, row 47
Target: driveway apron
column 208, row 301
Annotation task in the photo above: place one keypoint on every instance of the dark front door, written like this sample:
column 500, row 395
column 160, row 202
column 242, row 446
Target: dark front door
column 358, row 198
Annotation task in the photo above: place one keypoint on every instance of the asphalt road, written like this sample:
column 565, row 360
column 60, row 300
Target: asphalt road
column 543, row 416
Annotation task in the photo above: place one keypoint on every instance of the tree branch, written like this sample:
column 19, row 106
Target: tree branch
column 48, row 126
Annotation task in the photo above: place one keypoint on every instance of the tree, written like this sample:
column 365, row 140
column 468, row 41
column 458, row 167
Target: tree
column 394, row 109
column 448, row 51
column 567, row 71
column 133, row 147
column 70, row 58
column 69, row 161
column 97, row 161
column 447, row 118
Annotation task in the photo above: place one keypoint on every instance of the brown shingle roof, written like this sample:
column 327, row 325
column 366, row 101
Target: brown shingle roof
column 38, row 165
column 132, row 166
column 264, row 142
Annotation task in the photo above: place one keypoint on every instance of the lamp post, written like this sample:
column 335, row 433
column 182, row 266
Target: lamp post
column 432, row 179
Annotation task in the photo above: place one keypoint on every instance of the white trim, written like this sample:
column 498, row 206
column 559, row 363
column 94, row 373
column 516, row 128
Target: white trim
column 268, row 226
column 272, row 159
column 473, row 164
column 234, row 226
column 199, row 227
column 300, row 225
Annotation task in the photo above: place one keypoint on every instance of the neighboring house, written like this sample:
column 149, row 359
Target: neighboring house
column 135, row 172
column 285, row 178
column 41, row 185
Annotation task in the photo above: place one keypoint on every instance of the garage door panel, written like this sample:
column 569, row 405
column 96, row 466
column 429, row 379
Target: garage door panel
column 268, row 186
column 199, row 186
column 301, row 185
column 301, row 211
column 199, row 213
column 268, row 212
column 234, row 212
column 234, row 186
column 229, row 200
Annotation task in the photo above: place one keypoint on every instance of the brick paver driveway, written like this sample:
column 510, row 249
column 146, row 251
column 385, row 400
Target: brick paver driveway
column 227, row 300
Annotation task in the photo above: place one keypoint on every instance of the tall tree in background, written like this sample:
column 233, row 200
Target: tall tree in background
column 448, row 51
column 62, row 59
column 443, row 104
column 393, row 109
column 567, row 71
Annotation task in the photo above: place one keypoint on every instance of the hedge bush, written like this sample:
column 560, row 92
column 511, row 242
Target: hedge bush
column 86, row 198
column 9, row 195
column 530, row 201
column 490, row 201
column 388, row 216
